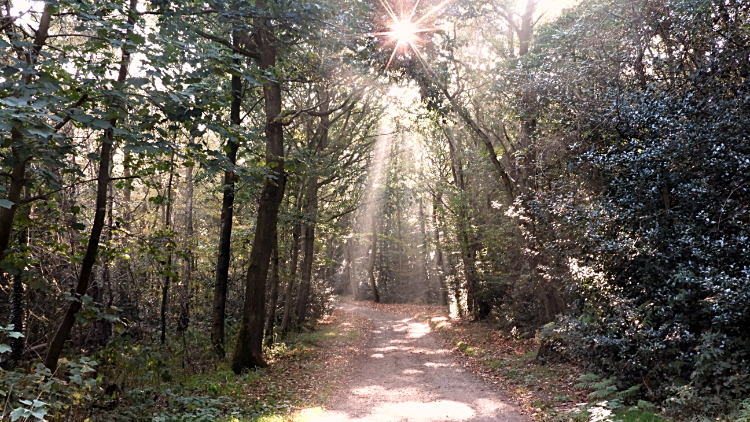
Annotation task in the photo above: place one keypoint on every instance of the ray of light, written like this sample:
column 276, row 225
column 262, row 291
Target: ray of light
column 388, row 9
column 416, row 31
column 392, row 55
column 421, row 60
column 413, row 9
column 433, row 10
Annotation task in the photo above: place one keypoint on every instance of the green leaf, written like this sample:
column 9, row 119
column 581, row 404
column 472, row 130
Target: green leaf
column 4, row 203
column 136, row 38
column 4, row 348
column 39, row 414
column 9, row 70
column 19, row 413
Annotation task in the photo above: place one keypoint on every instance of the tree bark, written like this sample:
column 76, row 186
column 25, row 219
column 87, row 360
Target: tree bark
column 271, row 319
column 308, row 250
column 55, row 347
column 465, row 236
column 18, row 172
column 18, row 304
column 439, row 265
column 425, row 252
column 218, row 314
column 168, row 275
column 187, row 270
column 351, row 278
column 15, row 189
column 318, row 144
column 371, row 266
column 292, row 276
column 249, row 350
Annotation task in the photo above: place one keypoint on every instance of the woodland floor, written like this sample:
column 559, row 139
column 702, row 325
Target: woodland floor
column 366, row 362
column 408, row 373
column 418, row 364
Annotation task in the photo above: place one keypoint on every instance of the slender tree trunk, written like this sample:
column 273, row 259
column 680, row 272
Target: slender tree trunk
column 371, row 266
column 218, row 314
column 400, row 239
column 249, row 350
column 168, row 275
column 439, row 269
column 465, row 235
column 18, row 172
column 425, row 253
column 55, row 347
column 18, row 303
column 308, row 250
column 271, row 319
column 103, row 328
column 17, row 319
column 351, row 278
column 318, row 144
column 127, row 191
column 527, row 27
column 468, row 255
column 15, row 190
column 187, row 271
column 292, row 276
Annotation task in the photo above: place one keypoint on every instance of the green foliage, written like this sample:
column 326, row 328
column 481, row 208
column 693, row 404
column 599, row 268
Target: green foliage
column 40, row 395
column 658, row 229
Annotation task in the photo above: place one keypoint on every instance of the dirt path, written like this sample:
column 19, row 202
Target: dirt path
column 406, row 376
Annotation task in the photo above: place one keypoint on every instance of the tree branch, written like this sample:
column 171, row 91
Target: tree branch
column 239, row 50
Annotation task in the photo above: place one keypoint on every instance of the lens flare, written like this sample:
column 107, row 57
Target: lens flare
column 404, row 32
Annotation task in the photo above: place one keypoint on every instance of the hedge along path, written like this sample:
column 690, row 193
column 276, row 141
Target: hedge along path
column 406, row 375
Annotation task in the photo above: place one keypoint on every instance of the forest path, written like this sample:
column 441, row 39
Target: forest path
column 407, row 376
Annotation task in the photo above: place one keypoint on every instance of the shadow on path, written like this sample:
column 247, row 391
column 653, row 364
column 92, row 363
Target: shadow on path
column 408, row 376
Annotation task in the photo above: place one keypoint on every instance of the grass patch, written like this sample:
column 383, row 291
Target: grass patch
column 637, row 415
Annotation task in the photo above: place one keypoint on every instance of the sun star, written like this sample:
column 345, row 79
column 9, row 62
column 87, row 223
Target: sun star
column 404, row 32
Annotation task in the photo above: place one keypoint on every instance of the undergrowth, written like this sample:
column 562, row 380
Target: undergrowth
column 181, row 381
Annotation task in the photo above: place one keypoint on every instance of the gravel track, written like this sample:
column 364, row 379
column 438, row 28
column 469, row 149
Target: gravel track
column 407, row 376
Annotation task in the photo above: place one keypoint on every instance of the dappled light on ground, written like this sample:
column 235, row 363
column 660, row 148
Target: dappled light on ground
column 412, row 412
column 407, row 376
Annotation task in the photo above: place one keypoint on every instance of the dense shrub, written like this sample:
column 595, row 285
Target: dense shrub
column 663, row 275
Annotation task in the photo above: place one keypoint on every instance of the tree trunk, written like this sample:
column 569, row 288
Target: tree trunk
column 527, row 27
column 351, row 278
column 168, row 273
column 308, row 249
column 249, row 350
column 465, row 235
column 18, row 172
column 18, row 304
column 218, row 313
column 292, row 276
column 371, row 266
column 55, row 347
column 439, row 269
column 17, row 181
column 271, row 319
column 425, row 253
column 187, row 271
column 317, row 145
column 103, row 328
